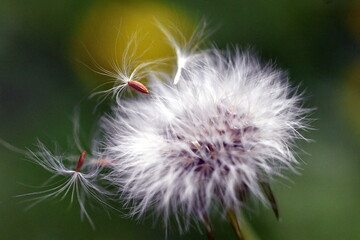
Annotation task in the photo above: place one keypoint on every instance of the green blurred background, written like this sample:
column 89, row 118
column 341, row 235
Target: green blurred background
column 41, row 82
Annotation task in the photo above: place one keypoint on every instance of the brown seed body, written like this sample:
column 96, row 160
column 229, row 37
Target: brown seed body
column 81, row 161
column 137, row 86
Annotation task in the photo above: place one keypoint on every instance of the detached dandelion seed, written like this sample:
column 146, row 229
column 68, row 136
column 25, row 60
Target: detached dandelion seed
column 79, row 183
column 185, row 50
column 126, row 71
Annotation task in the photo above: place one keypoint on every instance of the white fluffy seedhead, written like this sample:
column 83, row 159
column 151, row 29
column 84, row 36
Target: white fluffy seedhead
column 227, row 126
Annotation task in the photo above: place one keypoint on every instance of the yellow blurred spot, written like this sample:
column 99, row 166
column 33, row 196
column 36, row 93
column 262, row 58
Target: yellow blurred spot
column 351, row 97
column 107, row 29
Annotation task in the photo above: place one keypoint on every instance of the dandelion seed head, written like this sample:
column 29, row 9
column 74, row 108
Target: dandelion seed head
column 229, row 123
